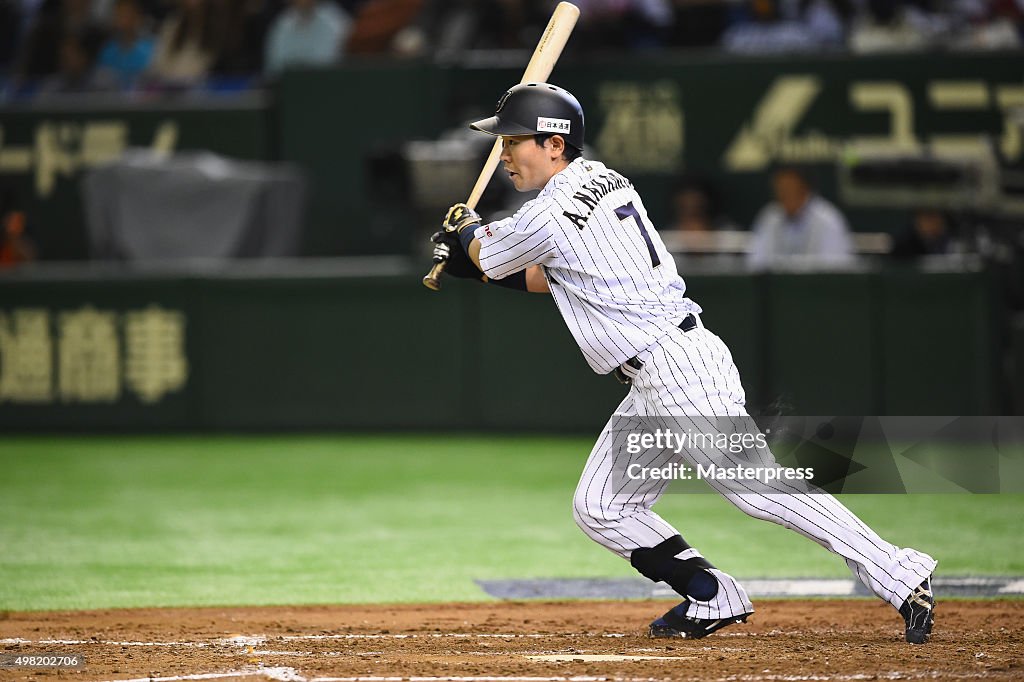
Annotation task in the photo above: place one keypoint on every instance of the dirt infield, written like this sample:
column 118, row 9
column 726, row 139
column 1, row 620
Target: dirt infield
column 784, row 641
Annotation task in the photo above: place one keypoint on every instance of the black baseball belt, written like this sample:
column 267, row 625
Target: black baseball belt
column 627, row 370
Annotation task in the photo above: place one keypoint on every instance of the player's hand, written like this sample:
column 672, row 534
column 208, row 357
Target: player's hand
column 447, row 250
column 459, row 217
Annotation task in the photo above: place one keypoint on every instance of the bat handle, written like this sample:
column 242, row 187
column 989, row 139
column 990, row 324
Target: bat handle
column 432, row 280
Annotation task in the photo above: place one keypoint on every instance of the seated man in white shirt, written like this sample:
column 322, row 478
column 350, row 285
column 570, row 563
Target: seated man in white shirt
column 307, row 33
column 799, row 228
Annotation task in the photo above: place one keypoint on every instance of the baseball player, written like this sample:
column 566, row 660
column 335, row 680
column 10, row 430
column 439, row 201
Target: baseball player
column 586, row 239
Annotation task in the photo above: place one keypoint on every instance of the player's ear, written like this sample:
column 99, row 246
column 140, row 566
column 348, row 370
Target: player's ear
column 557, row 146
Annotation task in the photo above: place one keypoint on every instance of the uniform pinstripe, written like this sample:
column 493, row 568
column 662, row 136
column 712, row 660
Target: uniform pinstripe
column 599, row 270
column 621, row 296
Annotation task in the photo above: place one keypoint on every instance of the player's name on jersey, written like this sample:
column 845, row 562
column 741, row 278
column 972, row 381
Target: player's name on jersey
column 591, row 193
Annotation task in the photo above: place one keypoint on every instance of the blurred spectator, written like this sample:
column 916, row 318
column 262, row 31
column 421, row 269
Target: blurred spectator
column 309, row 32
column 352, row 7
column 828, row 19
column 517, row 24
column 15, row 247
column 26, row 12
column 153, row 10
column 458, row 25
column 188, row 44
column 76, row 73
column 616, row 24
column 242, row 49
column 768, row 26
column 56, row 19
column 743, row 26
column 378, row 23
column 896, row 26
column 696, row 206
column 799, row 227
column 930, row 233
column 989, row 24
column 128, row 53
column 699, row 23
column 10, row 32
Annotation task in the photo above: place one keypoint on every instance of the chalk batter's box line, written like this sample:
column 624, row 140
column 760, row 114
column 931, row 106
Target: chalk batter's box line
column 290, row 675
column 286, row 674
column 256, row 640
column 243, row 643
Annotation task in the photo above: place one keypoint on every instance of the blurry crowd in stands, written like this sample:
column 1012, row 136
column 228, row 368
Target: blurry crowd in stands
column 52, row 46
column 800, row 227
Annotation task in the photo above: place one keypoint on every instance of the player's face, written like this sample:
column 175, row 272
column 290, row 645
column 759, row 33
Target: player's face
column 528, row 165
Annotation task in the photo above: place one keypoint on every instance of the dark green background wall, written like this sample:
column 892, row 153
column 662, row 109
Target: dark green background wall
column 648, row 117
column 57, row 143
column 320, row 352
column 652, row 118
column 300, row 351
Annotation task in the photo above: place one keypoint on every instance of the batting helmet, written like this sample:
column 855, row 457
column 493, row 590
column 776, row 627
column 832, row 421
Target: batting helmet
column 536, row 108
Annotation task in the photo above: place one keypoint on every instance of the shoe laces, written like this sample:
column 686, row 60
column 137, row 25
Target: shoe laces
column 921, row 596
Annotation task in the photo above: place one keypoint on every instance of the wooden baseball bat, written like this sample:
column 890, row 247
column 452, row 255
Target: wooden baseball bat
column 548, row 50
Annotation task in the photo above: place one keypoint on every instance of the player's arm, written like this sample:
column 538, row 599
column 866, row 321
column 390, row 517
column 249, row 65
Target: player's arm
column 536, row 282
column 459, row 264
column 533, row 276
column 463, row 222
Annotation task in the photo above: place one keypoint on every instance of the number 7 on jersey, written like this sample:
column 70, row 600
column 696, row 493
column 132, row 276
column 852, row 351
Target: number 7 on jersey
column 629, row 211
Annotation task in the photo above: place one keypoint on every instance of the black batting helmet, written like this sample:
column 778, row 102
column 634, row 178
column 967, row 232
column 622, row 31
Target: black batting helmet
column 536, row 108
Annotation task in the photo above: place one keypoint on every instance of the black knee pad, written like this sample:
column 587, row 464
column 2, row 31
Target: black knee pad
column 688, row 577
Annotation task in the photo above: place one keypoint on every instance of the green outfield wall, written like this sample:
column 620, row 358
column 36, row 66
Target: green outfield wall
column 47, row 147
column 239, row 351
column 650, row 117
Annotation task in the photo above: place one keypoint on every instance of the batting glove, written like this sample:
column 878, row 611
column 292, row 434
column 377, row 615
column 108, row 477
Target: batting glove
column 457, row 264
column 459, row 217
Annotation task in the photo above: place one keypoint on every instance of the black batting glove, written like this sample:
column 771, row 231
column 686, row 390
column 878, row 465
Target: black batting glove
column 457, row 264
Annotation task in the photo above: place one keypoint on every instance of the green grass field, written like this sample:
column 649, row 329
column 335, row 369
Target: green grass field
column 91, row 522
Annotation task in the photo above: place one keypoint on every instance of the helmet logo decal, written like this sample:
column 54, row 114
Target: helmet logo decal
column 553, row 125
column 501, row 102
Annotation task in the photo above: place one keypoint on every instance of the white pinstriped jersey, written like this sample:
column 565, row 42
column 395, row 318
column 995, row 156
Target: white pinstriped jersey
column 613, row 280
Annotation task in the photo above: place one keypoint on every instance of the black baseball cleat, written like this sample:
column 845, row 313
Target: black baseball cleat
column 919, row 612
column 676, row 623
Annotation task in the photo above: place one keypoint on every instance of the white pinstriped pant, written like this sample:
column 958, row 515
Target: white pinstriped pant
column 691, row 375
